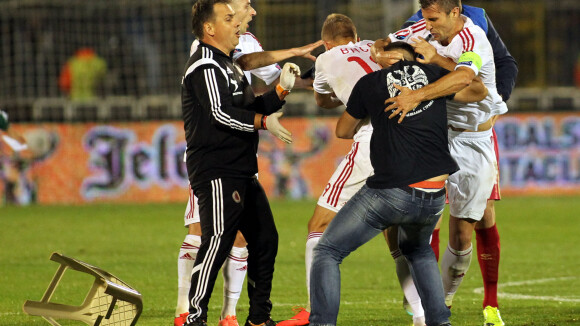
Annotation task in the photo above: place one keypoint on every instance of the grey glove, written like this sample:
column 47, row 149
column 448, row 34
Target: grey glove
column 273, row 126
column 288, row 76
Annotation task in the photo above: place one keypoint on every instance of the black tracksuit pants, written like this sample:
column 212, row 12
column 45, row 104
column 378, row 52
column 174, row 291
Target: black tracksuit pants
column 227, row 205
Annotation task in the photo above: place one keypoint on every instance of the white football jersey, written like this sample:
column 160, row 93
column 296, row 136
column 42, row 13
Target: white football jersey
column 339, row 69
column 476, row 53
column 249, row 44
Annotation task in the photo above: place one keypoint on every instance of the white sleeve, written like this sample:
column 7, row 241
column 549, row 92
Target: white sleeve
column 403, row 35
column 475, row 50
column 268, row 73
column 320, row 84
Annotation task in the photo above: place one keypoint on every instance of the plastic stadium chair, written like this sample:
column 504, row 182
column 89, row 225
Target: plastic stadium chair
column 110, row 301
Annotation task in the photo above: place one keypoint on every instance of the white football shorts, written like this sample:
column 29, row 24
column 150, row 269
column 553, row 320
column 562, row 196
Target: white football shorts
column 191, row 210
column 469, row 188
column 350, row 175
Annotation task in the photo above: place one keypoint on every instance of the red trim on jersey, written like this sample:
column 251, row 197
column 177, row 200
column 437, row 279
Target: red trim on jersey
column 252, row 35
column 468, row 40
column 313, row 235
column 191, row 203
column 420, row 29
column 418, row 26
column 472, row 39
column 495, row 192
column 344, row 175
column 189, row 246
column 464, row 41
column 403, row 32
column 238, row 259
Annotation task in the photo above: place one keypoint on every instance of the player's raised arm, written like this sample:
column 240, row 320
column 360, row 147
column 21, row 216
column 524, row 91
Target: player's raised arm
column 260, row 59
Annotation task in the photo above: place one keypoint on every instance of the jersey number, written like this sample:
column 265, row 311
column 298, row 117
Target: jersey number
column 361, row 63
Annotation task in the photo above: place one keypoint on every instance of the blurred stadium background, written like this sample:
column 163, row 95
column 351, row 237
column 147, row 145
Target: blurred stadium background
column 126, row 137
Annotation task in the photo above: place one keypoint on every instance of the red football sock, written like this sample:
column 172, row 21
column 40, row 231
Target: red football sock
column 435, row 243
column 488, row 250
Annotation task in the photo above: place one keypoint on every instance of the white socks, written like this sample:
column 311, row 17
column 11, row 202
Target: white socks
column 407, row 285
column 311, row 242
column 454, row 265
column 185, row 262
column 234, row 272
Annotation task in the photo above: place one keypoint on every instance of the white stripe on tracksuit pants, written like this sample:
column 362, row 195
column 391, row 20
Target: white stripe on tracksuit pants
column 226, row 205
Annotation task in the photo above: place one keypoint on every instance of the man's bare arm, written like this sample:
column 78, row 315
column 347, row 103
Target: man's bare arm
column 260, row 59
column 347, row 126
column 327, row 101
column 449, row 84
column 475, row 92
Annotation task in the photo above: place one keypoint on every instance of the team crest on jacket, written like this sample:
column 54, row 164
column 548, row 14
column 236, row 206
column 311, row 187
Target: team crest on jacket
column 411, row 77
column 236, row 196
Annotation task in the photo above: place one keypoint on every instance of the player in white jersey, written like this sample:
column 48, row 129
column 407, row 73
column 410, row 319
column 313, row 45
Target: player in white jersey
column 451, row 40
column 262, row 64
column 332, row 87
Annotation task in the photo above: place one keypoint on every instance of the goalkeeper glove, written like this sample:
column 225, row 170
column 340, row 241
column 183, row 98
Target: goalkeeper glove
column 271, row 123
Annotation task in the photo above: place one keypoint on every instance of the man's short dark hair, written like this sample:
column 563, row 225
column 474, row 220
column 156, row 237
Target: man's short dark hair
column 402, row 46
column 202, row 12
column 446, row 5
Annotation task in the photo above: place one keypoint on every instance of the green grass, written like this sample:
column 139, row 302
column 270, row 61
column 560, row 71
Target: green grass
column 539, row 270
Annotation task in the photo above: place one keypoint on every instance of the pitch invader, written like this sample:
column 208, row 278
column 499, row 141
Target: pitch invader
column 262, row 64
column 458, row 43
column 332, row 88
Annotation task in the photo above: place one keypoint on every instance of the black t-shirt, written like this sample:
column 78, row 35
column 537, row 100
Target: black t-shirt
column 414, row 150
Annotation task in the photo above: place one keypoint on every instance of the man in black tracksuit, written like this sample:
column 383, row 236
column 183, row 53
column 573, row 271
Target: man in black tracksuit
column 221, row 118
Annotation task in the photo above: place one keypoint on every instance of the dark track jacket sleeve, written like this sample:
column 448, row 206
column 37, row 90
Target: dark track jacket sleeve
column 212, row 90
column 506, row 67
column 267, row 103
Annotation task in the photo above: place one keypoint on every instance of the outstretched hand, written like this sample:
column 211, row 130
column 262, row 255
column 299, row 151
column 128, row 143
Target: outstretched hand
column 403, row 103
column 304, row 51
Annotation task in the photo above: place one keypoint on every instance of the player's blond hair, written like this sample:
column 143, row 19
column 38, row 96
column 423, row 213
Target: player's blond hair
column 338, row 26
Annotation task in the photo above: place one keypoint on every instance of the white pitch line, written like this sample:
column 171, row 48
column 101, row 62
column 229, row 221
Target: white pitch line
column 531, row 297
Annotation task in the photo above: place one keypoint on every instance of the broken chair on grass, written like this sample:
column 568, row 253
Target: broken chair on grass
column 110, row 301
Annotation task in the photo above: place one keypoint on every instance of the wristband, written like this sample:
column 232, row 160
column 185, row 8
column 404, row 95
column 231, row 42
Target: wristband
column 264, row 122
column 282, row 91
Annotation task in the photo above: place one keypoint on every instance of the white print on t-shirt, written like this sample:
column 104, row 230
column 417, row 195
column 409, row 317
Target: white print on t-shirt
column 412, row 77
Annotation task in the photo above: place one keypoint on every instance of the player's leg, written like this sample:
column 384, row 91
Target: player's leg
column 411, row 300
column 186, row 258
column 318, row 223
column 259, row 229
column 220, row 211
column 457, row 257
column 352, row 227
column 413, row 239
column 468, row 191
column 234, row 272
column 350, row 175
column 435, row 237
column 488, row 254
column 488, row 249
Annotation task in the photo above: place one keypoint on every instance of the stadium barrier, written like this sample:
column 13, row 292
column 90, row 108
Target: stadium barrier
column 76, row 163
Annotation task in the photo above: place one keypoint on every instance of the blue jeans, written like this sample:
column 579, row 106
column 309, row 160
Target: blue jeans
column 368, row 213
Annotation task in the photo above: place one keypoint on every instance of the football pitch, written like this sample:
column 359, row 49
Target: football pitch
column 539, row 269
